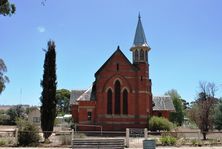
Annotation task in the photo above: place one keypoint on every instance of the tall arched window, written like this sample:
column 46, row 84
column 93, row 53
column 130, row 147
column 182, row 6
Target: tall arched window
column 125, row 102
column 109, row 101
column 136, row 55
column 117, row 97
column 141, row 54
column 146, row 54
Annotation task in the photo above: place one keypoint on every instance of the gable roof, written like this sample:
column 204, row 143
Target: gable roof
column 74, row 95
column 110, row 58
column 163, row 103
column 86, row 95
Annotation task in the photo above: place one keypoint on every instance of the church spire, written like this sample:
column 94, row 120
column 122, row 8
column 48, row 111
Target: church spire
column 140, row 47
column 140, row 38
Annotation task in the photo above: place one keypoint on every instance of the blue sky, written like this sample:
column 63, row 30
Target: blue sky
column 185, row 37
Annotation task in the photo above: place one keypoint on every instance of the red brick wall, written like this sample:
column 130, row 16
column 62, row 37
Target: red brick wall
column 80, row 112
column 164, row 114
column 139, row 92
column 134, row 78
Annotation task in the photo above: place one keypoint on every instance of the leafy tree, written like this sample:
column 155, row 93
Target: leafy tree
column 177, row 116
column 62, row 97
column 48, row 98
column 14, row 113
column 4, row 118
column 3, row 78
column 30, row 109
column 202, row 109
column 186, row 105
column 6, row 8
column 218, row 116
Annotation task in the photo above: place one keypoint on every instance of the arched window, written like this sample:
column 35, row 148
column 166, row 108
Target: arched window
column 125, row 102
column 117, row 67
column 136, row 55
column 109, row 101
column 141, row 54
column 117, row 97
column 146, row 54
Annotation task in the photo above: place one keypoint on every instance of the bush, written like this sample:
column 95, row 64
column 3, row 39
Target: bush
column 159, row 123
column 28, row 134
column 168, row 140
column 2, row 142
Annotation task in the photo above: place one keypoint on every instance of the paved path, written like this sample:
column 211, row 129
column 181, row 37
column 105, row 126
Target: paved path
column 183, row 147
column 188, row 147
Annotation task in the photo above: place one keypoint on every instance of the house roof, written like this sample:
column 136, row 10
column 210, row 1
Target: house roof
column 75, row 95
column 110, row 58
column 85, row 96
column 163, row 103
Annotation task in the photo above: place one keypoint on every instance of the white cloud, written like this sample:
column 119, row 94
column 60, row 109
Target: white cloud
column 41, row 29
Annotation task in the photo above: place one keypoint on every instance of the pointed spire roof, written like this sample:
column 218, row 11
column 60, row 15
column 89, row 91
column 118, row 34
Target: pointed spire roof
column 140, row 38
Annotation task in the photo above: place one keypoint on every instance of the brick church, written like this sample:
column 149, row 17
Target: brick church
column 121, row 95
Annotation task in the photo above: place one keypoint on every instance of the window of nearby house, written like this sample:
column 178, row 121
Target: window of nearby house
column 109, row 101
column 117, row 97
column 36, row 119
column 125, row 102
column 89, row 116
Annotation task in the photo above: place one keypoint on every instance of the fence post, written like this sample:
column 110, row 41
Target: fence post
column 16, row 136
column 127, row 137
column 145, row 133
column 72, row 137
column 199, row 136
column 101, row 130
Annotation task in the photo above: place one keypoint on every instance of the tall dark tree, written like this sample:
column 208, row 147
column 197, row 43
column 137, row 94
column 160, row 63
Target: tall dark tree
column 6, row 8
column 48, row 98
column 3, row 78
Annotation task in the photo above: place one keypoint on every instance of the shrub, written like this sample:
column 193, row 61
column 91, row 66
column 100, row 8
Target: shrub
column 194, row 142
column 159, row 123
column 27, row 134
column 167, row 140
column 2, row 142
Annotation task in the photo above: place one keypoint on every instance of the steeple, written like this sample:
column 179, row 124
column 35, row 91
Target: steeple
column 140, row 38
column 140, row 47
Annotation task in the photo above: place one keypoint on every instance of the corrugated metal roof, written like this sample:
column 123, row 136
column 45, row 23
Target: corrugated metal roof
column 75, row 95
column 85, row 96
column 164, row 103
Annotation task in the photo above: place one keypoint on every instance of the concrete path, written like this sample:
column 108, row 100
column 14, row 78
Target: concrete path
column 188, row 147
column 183, row 147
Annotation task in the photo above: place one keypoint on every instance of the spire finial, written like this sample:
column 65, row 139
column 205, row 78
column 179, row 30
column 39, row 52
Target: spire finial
column 139, row 15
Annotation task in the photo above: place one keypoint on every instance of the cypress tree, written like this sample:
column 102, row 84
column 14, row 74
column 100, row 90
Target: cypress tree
column 48, row 98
